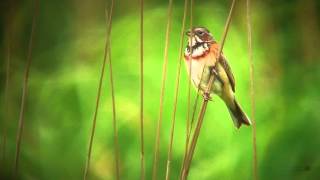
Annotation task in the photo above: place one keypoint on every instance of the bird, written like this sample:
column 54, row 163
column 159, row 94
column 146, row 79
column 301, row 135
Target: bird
column 201, row 62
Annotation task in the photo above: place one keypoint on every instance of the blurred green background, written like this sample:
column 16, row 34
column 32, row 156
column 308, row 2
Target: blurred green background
column 67, row 58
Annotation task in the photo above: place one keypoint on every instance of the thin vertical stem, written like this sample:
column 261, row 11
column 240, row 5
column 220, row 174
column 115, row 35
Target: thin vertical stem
column 191, row 125
column 189, row 92
column 142, row 163
column 190, row 70
column 114, row 119
column 194, row 141
column 250, row 58
column 193, row 113
column 205, row 102
column 94, row 120
column 176, row 91
column 163, row 82
column 25, row 90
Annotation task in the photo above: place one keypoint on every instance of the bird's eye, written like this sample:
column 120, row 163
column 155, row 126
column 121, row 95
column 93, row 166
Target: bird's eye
column 200, row 33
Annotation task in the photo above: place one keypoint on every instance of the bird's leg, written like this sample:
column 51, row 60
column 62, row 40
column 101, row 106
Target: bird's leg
column 206, row 96
column 214, row 73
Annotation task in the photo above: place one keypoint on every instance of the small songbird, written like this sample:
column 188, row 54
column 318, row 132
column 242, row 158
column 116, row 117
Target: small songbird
column 202, row 51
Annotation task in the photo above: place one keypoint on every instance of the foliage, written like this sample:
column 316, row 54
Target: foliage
column 68, row 53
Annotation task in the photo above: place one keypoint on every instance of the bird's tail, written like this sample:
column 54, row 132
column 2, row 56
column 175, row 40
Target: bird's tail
column 238, row 116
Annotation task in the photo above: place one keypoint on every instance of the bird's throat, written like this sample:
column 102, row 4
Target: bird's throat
column 197, row 51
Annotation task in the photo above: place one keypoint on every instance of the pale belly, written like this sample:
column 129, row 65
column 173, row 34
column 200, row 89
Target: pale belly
column 199, row 69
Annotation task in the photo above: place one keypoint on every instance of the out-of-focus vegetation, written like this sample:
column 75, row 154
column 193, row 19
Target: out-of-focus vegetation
column 67, row 58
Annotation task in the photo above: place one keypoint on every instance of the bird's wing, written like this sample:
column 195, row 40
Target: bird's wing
column 228, row 71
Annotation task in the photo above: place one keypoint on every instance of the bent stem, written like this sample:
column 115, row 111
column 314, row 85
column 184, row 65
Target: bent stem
column 94, row 120
column 205, row 102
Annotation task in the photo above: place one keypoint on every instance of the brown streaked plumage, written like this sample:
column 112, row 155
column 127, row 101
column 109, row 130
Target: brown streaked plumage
column 202, row 50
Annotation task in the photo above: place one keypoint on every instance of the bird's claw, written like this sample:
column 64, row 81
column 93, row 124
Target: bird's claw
column 206, row 96
column 213, row 71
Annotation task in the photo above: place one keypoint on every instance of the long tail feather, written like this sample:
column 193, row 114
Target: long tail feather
column 238, row 116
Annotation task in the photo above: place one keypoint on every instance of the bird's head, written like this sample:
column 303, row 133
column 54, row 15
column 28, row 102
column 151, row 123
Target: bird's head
column 199, row 35
column 200, row 41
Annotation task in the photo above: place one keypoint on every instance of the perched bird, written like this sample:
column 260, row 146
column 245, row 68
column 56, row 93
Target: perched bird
column 202, row 51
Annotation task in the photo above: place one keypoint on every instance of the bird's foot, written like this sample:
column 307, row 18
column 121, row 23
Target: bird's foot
column 213, row 70
column 206, row 96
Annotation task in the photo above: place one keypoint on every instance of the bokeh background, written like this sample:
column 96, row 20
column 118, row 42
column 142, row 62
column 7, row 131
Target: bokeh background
column 67, row 58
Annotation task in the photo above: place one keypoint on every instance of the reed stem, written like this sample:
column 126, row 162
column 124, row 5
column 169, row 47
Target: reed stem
column 252, row 95
column 94, row 120
column 142, row 161
column 163, row 82
column 25, row 90
column 176, row 91
column 205, row 102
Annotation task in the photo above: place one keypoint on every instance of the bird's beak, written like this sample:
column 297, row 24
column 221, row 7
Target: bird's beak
column 188, row 33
